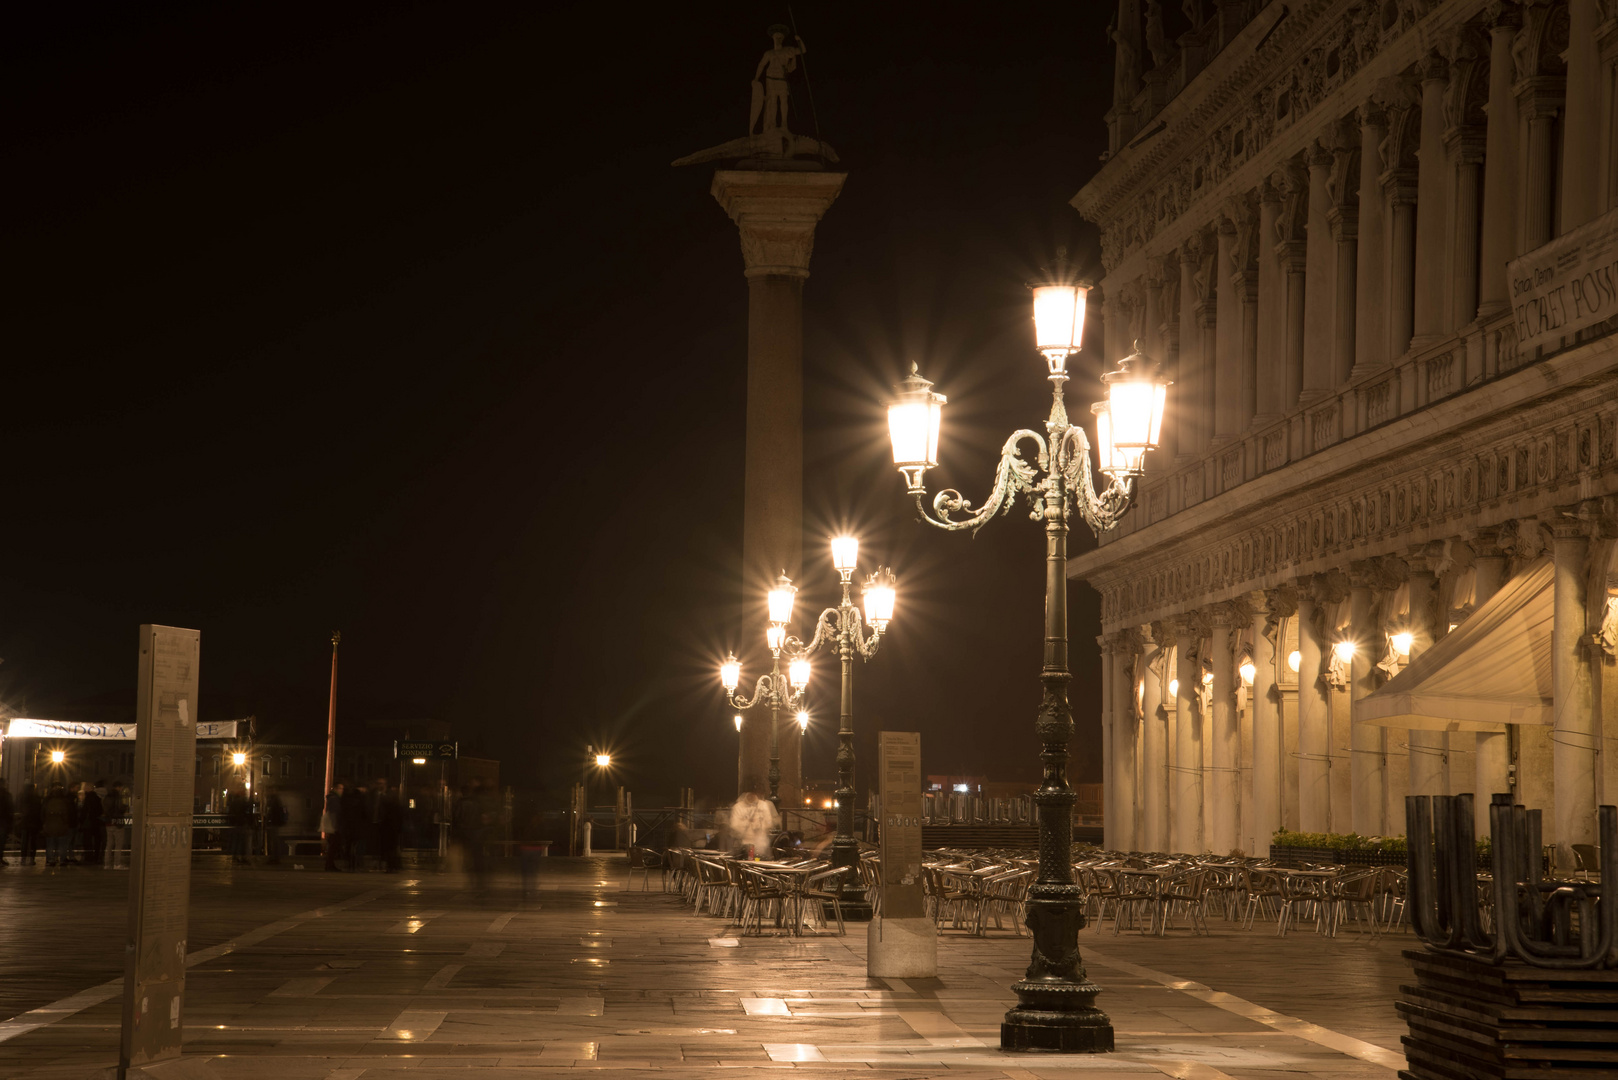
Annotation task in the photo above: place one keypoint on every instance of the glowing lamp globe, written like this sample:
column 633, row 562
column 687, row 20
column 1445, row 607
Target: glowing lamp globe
column 1174, row 688
column 238, row 759
column 1344, row 651
column 1130, row 422
column 803, row 723
column 730, row 672
column 798, row 673
column 1294, row 659
column 780, row 600
column 738, row 722
column 913, row 421
column 1248, row 671
column 1207, row 678
column 881, row 591
column 57, row 757
column 603, row 760
column 1058, row 322
column 845, row 553
column 774, row 636
column 1402, row 642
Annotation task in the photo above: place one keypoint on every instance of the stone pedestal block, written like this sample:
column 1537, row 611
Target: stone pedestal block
column 901, row 949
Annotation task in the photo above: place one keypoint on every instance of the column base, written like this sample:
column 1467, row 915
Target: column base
column 901, row 948
column 1057, row 1019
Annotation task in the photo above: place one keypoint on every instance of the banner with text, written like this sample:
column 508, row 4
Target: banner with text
column 1568, row 284
column 69, row 729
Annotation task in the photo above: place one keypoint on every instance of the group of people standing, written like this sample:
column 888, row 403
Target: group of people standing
column 71, row 820
column 360, row 823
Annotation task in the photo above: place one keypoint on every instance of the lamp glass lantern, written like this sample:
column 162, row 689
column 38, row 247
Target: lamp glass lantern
column 730, row 672
column 1059, row 322
column 798, row 673
column 803, row 719
column 603, row 760
column 881, row 592
column 780, row 601
column 1402, row 641
column 738, row 722
column 1130, row 421
column 845, row 554
column 914, row 418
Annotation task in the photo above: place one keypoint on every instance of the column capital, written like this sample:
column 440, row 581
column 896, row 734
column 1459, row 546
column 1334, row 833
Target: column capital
column 776, row 214
column 1229, row 614
column 1371, row 114
column 1433, row 67
column 1502, row 16
column 1126, row 642
column 1344, row 222
column 1384, row 574
column 1191, row 626
column 1330, row 587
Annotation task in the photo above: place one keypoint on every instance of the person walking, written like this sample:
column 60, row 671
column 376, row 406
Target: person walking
column 330, row 822
column 113, row 811
column 275, row 816
column 753, row 821
column 93, row 823
column 31, row 822
column 8, row 814
column 57, row 826
column 239, row 816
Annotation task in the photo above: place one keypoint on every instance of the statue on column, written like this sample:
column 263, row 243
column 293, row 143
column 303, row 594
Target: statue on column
column 769, row 143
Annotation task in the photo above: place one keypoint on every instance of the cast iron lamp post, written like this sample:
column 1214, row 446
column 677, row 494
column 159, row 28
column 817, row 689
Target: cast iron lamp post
column 842, row 628
column 774, row 690
column 1055, row 1007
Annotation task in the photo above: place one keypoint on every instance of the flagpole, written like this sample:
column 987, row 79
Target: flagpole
column 331, row 721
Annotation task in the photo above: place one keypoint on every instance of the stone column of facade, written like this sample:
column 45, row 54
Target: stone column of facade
column 1268, row 745
column 1109, row 743
column 1208, row 343
column 1369, row 764
column 1186, row 777
column 1493, row 763
column 1344, row 219
column 1499, row 240
column 1168, row 343
column 1190, row 436
column 1223, row 829
column 776, row 213
column 1314, row 735
column 1124, row 656
column 1319, row 288
column 1466, row 151
column 1370, row 266
column 1432, row 205
column 1291, row 254
column 1227, row 367
column 1244, row 284
column 1426, row 747
column 1582, row 137
column 1399, row 195
column 1272, row 305
column 1573, row 754
column 1154, row 754
column 1539, row 100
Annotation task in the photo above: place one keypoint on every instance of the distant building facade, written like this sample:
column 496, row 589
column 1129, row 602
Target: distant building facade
column 1373, row 242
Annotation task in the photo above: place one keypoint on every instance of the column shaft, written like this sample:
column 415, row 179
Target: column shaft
column 1292, row 375
column 1499, row 241
column 1226, row 758
column 1426, row 747
column 1314, row 734
column 1493, row 775
column 1187, row 407
column 1271, row 310
column 1370, row 269
column 1369, row 748
column 1345, row 233
column 1432, row 206
column 1401, row 266
column 1227, row 366
column 1320, row 291
column 1154, row 759
column 1265, row 816
column 1109, row 743
column 1186, row 771
column 1573, row 752
column 1536, row 201
column 1582, row 139
column 1125, row 744
column 1468, row 161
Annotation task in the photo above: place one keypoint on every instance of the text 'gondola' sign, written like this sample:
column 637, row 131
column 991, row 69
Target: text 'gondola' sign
column 441, row 749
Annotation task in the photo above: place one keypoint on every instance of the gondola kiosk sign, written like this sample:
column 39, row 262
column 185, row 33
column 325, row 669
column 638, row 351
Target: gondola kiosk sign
column 160, row 860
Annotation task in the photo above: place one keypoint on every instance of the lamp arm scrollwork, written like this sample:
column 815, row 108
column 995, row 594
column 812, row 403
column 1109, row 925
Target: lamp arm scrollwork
column 1100, row 512
column 761, row 692
column 1012, row 477
column 825, row 631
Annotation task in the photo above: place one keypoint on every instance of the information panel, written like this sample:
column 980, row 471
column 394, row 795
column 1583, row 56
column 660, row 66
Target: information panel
column 160, row 859
column 899, row 754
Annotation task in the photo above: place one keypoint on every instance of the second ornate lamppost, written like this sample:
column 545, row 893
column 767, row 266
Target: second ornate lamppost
column 1056, row 1001
column 774, row 691
column 841, row 627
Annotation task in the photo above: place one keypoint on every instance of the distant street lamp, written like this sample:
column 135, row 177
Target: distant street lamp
column 773, row 691
column 843, row 628
column 1056, row 1002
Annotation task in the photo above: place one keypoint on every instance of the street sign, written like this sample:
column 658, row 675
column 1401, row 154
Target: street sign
column 426, row 748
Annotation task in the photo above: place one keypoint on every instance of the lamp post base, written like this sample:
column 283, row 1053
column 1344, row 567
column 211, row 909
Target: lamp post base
column 1060, row 1018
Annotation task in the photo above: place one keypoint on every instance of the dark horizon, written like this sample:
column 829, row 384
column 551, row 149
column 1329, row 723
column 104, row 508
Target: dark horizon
column 396, row 320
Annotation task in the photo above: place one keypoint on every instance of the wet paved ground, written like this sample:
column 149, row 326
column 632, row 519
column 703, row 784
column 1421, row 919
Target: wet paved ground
column 335, row 977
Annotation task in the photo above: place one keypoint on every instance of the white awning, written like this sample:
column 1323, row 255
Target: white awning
column 1492, row 670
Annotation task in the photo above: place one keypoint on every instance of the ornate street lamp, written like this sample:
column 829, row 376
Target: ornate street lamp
column 843, row 628
column 1056, row 1002
column 773, row 690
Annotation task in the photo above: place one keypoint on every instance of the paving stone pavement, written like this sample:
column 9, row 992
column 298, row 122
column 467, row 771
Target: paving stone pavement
column 312, row 976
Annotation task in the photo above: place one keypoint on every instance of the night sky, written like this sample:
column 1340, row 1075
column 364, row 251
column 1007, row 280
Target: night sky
column 395, row 319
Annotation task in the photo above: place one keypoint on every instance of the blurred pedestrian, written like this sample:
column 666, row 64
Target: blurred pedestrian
column 351, row 822
column 113, row 812
column 752, row 822
column 57, row 826
column 387, row 818
column 31, row 822
column 239, row 818
column 275, row 816
column 330, row 821
column 8, row 814
column 93, row 823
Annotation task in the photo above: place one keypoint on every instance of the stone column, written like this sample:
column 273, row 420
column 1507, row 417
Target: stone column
column 1154, row 756
column 1538, row 102
column 1582, row 138
column 1426, row 747
column 1574, row 740
column 1499, row 241
column 1369, row 749
column 1291, row 253
column 1187, row 406
column 1319, row 287
column 1314, row 730
column 776, row 214
column 1370, row 267
column 1432, row 205
column 1124, row 656
column 1227, row 370
column 1223, row 836
column 1186, row 779
column 1399, row 190
column 1272, row 308
column 1268, row 748
column 1345, row 233
column 1493, row 748
column 1465, row 147
column 1109, row 744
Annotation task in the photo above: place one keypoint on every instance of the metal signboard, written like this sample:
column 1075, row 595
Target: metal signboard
column 441, row 749
column 160, row 859
column 899, row 754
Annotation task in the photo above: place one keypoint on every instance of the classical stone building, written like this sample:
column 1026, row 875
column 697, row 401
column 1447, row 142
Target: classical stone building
column 1373, row 242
